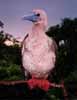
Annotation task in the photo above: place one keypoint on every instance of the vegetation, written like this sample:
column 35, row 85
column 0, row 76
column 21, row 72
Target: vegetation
column 65, row 35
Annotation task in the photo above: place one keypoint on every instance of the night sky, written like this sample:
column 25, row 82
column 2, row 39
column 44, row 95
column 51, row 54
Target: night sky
column 12, row 11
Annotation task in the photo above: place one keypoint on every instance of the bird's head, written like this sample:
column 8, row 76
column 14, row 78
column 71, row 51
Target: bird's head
column 38, row 17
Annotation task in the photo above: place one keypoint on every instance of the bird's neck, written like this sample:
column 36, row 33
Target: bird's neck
column 37, row 30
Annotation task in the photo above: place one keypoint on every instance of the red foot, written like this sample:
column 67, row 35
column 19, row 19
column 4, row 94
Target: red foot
column 41, row 83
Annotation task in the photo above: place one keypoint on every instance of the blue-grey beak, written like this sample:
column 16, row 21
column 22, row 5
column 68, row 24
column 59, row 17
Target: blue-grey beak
column 33, row 18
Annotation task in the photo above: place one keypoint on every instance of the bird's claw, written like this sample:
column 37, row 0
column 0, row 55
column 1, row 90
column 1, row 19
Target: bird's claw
column 40, row 83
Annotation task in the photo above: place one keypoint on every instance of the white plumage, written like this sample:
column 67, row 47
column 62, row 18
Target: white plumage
column 38, row 50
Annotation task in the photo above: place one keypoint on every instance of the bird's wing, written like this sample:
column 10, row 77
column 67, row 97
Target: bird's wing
column 53, row 45
column 53, row 49
column 22, row 43
column 24, row 72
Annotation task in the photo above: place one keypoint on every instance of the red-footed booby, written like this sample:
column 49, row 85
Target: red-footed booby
column 38, row 51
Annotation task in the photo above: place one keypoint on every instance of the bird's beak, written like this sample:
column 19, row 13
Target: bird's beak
column 33, row 18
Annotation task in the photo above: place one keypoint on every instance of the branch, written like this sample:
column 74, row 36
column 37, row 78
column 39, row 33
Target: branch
column 12, row 82
column 26, row 82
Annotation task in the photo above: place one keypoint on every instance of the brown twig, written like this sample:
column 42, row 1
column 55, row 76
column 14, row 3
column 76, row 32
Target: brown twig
column 12, row 82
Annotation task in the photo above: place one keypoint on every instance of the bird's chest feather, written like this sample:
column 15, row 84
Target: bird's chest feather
column 36, row 45
column 37, row 50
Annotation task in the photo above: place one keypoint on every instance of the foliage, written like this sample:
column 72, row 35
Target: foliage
column 67, row 52
column 10, row 62
column 65, row 35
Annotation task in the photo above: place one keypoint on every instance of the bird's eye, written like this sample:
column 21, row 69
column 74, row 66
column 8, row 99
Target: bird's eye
column 38, row 14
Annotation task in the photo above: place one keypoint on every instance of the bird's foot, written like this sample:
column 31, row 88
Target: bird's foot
column 40, row 83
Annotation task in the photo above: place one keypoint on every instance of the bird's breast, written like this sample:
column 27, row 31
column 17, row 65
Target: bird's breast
column 37, row 57
column 36, row 45
column 39, row 48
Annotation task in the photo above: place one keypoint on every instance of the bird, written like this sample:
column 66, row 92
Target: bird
column 38, row 51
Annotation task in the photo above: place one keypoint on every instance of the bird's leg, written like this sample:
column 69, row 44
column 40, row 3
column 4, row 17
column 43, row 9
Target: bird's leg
column 44, row 84
column 32, row 82
column 40, row 83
